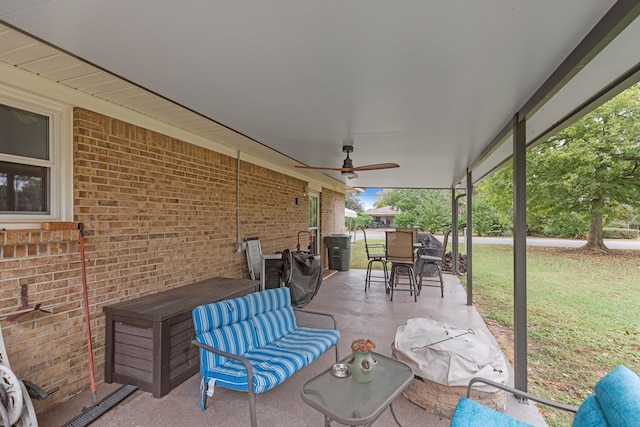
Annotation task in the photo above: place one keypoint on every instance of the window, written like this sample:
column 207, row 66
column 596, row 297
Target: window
column 35, row 161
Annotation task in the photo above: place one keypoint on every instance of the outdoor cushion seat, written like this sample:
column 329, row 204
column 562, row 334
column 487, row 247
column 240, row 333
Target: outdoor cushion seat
column 273, row 363
column 253, row 343
column 615, row 403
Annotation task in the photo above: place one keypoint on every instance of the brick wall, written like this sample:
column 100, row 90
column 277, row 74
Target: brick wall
column 158, row 213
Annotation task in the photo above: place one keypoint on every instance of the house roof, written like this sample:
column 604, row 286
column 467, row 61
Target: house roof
column 432, row 86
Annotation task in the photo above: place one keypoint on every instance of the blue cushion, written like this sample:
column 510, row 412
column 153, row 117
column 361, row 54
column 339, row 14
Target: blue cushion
column 307, row 342
column 237, row 338
column 269, row 300
column 590, row 414
column 618, row 394
column 211, row 316
column 472, row 414
column 273, row 324
column 275, row 362
column 261, row 327
column 270, row 368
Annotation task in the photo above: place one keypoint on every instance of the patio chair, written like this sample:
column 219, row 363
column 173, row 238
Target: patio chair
column 254, row 255
column 413, row 231
column 400, row 253
column 435, row 260
column 615, row 402
column 375, row 254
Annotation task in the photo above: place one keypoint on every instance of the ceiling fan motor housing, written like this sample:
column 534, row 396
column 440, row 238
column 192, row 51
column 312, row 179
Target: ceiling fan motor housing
column 348, row 163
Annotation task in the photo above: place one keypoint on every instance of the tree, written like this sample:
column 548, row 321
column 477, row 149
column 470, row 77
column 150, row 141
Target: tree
column 592, row 168
column 362, row 221
column 427, row 209
column 353, row 202
column 581, row 177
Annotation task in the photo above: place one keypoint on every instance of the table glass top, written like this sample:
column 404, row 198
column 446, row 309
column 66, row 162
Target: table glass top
column 350, row 402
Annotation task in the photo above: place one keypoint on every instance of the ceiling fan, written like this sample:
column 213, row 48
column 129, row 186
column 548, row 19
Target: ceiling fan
column 348, row 168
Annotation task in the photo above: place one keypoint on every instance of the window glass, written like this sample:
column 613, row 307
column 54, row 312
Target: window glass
column 313, row 211
column 23, row 188
column 36, row 160
column 24, row 133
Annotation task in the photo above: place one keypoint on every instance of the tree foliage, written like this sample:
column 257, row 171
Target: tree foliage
column 362, row 221
column 429, row 210
column 582, row 177
column 353, row 202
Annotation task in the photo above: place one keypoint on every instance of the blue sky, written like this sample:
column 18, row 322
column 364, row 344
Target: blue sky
column 368, row 198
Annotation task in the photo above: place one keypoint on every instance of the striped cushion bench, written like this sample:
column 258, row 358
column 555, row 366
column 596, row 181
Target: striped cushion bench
column 253, row 343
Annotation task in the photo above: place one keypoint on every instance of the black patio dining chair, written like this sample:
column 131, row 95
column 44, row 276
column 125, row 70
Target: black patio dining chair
column 375, row 254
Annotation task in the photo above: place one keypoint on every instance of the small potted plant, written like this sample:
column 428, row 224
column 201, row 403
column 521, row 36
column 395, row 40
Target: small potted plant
column 362, row 344
column 362, row 362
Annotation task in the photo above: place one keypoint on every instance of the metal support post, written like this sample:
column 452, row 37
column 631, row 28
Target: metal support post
column 468, row 239
column 520, row 252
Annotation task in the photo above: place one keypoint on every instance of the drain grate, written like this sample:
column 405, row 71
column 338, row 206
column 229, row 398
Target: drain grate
column 91, row 414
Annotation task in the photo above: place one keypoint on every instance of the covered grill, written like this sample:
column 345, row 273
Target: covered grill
column 302, row 274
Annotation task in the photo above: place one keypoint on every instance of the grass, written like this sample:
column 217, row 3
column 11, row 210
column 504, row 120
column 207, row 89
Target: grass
column 358, row 259
column 583, row 311
column 583, row 315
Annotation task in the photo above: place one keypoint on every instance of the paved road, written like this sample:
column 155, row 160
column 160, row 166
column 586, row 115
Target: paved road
column 378, row 233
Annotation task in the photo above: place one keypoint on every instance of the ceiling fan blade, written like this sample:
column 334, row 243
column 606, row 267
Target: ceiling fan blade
column 324, row 168
column 373, row 167
column 376, row 167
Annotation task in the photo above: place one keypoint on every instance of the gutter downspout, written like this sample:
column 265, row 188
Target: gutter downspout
column 238, row 242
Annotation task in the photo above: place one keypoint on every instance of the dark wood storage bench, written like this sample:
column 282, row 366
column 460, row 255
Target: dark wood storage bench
column 148, row 339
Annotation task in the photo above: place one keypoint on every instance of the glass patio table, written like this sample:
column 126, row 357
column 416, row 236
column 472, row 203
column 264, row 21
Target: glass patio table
column 352, row 403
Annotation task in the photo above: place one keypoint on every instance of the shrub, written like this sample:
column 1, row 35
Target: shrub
column 620, row 233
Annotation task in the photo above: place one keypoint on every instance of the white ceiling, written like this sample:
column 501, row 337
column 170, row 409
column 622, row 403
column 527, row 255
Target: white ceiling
column 430, row 85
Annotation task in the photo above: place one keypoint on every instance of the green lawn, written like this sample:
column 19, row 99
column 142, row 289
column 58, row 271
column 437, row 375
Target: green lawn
column 583, row 314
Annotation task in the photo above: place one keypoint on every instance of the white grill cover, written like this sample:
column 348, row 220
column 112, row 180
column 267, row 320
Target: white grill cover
column 458, row 357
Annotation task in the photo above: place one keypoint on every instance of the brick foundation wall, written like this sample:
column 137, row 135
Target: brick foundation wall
column 158, row 213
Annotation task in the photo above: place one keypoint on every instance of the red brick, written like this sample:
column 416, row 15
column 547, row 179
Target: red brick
column 158, row 213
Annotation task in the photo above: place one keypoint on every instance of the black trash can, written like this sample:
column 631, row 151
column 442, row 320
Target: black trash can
column 338, row 251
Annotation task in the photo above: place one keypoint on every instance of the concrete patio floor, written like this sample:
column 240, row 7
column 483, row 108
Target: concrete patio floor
column 358, row 314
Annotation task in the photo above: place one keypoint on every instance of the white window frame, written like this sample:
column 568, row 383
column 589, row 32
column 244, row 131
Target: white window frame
column 60, row 163
column 315, row 230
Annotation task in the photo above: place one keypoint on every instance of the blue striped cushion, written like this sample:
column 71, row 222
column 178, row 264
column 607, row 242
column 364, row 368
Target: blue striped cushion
column 210, row 316
column 275, row 362
column 273, row 324
column 269, row 368
column 308, row 343
column 237, row 338
column 269, row 300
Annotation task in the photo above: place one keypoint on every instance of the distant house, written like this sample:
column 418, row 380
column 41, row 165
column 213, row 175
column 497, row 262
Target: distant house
column 383, row 217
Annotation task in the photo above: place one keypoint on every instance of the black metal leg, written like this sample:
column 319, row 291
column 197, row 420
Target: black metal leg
column 394, row 414
column 367, row 278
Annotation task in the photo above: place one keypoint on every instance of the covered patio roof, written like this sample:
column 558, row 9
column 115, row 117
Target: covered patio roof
column 432, row 86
